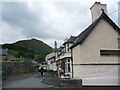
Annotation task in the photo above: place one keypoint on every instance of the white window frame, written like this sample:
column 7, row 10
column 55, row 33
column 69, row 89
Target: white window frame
column 66, row 65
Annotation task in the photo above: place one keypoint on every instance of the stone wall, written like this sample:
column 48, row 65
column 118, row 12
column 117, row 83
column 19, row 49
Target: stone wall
column 17, row 67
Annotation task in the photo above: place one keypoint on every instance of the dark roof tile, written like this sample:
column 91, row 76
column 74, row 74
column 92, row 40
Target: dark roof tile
column 70, row 40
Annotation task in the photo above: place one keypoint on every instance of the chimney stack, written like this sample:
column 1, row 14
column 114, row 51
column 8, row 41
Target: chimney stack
column 97, row 9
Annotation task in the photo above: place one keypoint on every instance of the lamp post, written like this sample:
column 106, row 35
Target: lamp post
column 58, row 71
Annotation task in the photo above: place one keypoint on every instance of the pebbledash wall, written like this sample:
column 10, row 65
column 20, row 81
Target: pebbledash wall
column 18, row 67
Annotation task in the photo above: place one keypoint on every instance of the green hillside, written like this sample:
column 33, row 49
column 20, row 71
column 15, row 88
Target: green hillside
column 28, row 48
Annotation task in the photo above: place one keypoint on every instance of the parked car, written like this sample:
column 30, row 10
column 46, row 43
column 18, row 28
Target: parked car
column 3, row 75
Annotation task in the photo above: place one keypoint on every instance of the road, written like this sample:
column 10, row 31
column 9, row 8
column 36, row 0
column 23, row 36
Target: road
column 32, row 80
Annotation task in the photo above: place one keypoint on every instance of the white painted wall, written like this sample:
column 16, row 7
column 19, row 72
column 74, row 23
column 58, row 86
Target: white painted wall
column 100, row 81
column 103, row 37
column 96, row 10
column 95, row 71
column 51, row 66
column 97, row 74
column 50, row 55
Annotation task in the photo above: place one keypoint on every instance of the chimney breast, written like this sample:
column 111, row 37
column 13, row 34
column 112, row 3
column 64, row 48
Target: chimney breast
column 97, row 9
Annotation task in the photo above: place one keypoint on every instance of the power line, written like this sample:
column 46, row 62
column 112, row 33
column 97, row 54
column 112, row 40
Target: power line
column 113, row 12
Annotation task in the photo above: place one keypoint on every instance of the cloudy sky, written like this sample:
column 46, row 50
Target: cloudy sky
column 48, row 21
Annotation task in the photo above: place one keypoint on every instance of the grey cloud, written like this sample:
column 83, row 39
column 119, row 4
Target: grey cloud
column 36, row 21
column 16, row 13
column 19, row 15
column 72, row 7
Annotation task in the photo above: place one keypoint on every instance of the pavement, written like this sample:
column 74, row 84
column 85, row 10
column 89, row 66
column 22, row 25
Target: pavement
column 31, row 80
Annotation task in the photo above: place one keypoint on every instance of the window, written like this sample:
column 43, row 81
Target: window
column 65, row 47
column 110, row 52
column 68, row 65
column 118, row 42
column 68, row 60
column 68, row 47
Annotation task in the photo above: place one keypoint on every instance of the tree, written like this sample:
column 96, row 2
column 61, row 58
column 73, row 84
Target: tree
column 29, row 55
column 39, row 58
column 20, row 53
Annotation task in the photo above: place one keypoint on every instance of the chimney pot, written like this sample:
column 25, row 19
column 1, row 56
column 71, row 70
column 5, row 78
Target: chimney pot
column 97, row 2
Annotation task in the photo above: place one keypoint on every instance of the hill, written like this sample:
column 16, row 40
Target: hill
column 28, row 48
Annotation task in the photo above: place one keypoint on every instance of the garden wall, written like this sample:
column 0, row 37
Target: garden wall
column 17, row 67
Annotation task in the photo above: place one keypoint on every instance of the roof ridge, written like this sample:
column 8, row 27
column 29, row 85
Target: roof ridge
column 83, row 35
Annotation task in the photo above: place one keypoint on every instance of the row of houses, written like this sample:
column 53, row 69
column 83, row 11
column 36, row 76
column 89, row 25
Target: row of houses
column 93, row 55
column 5, row 57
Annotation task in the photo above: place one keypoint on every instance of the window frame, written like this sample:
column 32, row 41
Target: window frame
column 68, row 67
column 109, row 52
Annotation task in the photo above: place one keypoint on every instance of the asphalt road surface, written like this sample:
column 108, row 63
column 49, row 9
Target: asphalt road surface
column 32, row 80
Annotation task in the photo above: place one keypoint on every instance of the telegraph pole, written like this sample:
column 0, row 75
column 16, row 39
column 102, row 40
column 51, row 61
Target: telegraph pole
column 57, row 62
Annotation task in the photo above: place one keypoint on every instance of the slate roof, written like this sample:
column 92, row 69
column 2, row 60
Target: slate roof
column 12, row 57
column 60, row 49
column 82, row 36
column 70, row 40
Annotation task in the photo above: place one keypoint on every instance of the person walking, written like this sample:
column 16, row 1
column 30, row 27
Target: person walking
column 42, row 70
